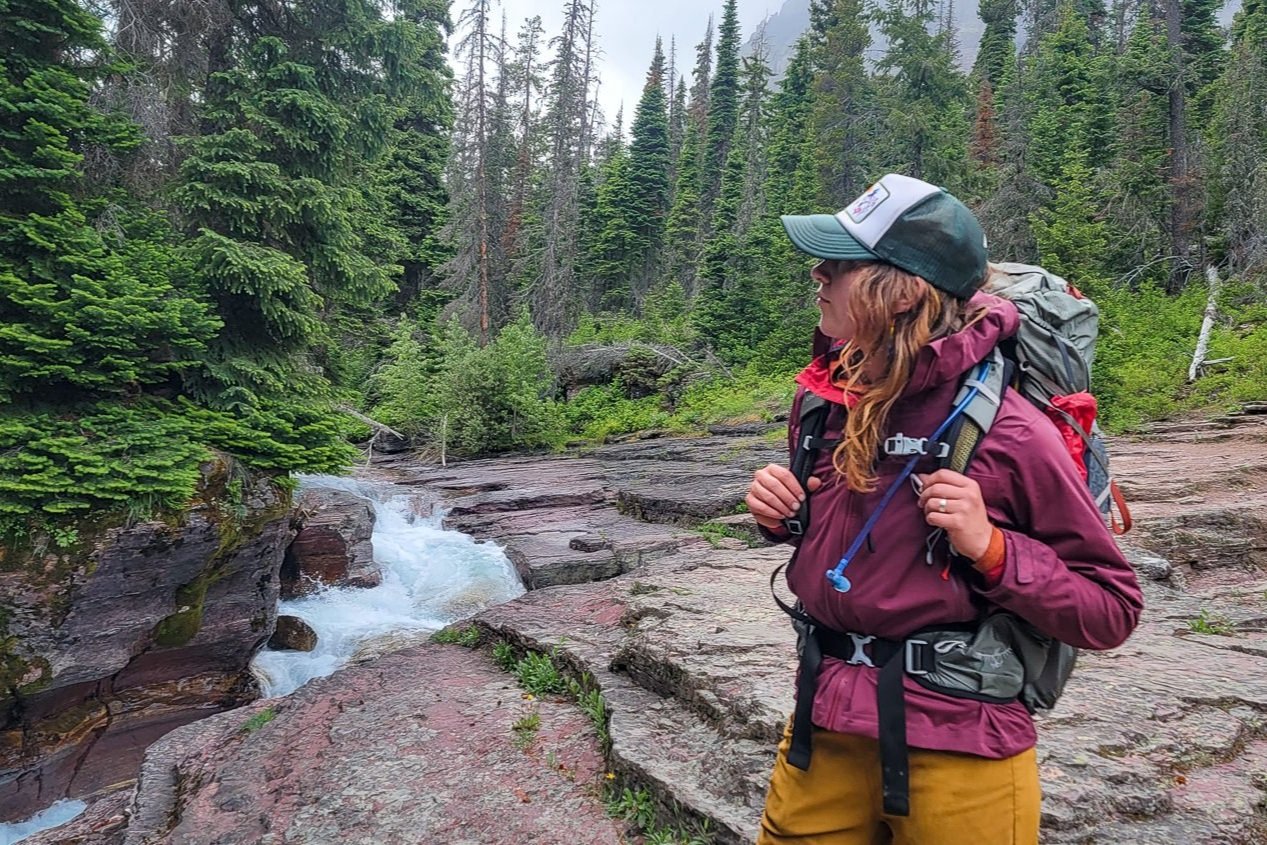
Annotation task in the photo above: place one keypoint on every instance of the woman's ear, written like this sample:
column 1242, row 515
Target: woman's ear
column 907, row 302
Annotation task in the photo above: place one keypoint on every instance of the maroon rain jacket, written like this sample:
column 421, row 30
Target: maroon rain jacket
column 1063, row 573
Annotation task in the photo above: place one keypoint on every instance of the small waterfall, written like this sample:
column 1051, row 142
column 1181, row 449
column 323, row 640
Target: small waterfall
column 431, row 577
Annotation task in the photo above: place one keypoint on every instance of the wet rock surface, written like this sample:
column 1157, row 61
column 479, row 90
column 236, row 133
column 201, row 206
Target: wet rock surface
column 293, row 634
column 417, row 746
column 333, row 546
column 146, row 628
column 104, row 822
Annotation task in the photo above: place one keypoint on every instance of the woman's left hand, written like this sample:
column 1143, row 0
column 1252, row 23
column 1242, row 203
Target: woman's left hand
column 952, row 501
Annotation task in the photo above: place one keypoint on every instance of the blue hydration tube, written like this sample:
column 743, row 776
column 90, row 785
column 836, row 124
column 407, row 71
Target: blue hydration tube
column 837, row 576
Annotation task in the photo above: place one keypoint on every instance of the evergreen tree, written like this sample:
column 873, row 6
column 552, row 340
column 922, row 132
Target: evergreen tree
column 1238, row 137
column 528, row 83
column 1073, row 241
column 996, row 61
column 272, row 190
column 1066, row 84
column 1139, row 175
column 83, row 315
column 723, row 112
column 844, row 120
column 792, row 186
column 677, row 126
column 411, row 175
column 608, row 254
column 924, row 98
column 702, row 81
column 682, row 229
column 997, row 52
column 568, row 122
column 728, row 309
column 478, row 173
column 648, row 179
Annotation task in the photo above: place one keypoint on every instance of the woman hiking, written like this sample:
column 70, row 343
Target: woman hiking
column 909, row 577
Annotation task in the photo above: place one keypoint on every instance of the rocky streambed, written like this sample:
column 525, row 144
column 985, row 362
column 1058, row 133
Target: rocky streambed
column 1161, row 741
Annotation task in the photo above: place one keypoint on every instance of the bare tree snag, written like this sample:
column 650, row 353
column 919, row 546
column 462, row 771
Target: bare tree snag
column 1207, row 325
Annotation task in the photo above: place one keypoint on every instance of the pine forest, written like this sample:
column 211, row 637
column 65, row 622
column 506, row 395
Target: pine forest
column 276, row 229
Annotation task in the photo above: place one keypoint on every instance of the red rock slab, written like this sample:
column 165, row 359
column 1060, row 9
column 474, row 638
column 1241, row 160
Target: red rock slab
column 417, row 746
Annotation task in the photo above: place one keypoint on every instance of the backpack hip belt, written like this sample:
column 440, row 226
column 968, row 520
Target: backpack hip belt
column 976, row 660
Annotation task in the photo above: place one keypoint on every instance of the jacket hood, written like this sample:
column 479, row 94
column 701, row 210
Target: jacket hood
column 948, row 358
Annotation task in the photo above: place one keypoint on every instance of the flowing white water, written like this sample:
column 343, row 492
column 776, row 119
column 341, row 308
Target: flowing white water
column 431, row 577
column 59, row 813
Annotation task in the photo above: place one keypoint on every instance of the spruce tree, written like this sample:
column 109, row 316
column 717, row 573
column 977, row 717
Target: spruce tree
column 844, row 120
column 792, row 186
column 478, row 174
column 84, row 315
column 648, row 179
column 723, row 112
column 411, row 175
column 528, row 83
column 996, row 61
column 1238, row 137
column 998, row 42
column 1066, row 84
column 568, row 120
column 682, row 229
column 924, row 98
column 272, row 190
column 608, row 255
column 1139, row 173
column 728, row 310
column 96, row 322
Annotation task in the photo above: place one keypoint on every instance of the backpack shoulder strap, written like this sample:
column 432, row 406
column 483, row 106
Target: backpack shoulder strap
column 971, row 427
column 813, row 422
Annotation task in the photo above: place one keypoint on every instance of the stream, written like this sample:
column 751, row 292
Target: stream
column 431, row 577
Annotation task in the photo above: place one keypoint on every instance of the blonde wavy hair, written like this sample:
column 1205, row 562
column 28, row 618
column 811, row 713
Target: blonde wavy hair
column 878, row 361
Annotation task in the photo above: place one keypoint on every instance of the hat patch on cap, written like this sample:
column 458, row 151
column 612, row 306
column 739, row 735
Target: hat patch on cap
column 867, row 203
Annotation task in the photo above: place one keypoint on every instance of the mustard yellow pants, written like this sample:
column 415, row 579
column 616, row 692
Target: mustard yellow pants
column 956, row 799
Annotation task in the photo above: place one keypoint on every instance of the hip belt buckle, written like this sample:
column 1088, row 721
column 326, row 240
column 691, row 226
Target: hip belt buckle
column 859, row 657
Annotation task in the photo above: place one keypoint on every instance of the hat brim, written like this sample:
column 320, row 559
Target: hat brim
column 822, row 236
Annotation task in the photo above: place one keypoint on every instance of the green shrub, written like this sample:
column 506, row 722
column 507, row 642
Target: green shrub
column 468, row 637
column 603, row 411
column 504, row 656
column 537, row 674
column 525, row 729
column 1146, row 343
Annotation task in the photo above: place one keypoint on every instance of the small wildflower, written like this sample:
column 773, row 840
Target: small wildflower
column 529, row 697
column 611, row 775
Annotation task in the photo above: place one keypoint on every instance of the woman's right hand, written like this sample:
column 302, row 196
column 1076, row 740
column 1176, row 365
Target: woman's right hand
column 775, row 495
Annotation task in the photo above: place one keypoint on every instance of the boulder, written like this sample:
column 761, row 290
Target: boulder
column 387, row 443
column 333, row 547
column 136, row 631
column 293, row 634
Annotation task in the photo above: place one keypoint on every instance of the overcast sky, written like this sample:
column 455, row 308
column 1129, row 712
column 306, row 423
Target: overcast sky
column 627, row 30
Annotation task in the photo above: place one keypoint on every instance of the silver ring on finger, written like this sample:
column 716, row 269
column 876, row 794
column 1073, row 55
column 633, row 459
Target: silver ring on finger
column 941, row 505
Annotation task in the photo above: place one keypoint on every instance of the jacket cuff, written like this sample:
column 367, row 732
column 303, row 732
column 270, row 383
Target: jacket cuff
column 993, row 563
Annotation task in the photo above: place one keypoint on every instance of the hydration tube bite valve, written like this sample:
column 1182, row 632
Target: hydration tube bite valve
column 838, row 579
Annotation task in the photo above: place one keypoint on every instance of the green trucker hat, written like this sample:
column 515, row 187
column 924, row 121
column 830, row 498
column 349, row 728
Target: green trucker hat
column 906, row 222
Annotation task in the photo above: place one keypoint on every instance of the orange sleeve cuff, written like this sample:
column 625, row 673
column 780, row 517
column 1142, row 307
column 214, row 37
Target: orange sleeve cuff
column 993, row 563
